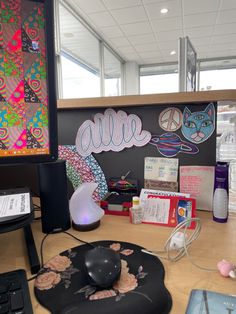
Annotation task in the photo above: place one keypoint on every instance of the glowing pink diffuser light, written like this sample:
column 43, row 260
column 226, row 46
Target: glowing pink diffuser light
column 85, row 213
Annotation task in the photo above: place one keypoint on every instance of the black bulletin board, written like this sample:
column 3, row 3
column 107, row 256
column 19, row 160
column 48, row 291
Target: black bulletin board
column 119, row 163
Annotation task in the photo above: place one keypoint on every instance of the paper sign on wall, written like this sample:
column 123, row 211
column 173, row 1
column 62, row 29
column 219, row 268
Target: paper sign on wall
column 161, row 185
column 161, row 169
column 199, row 182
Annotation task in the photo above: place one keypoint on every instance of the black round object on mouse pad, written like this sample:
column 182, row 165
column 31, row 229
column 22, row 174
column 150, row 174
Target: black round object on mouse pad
column 103, row 266
column 62, row 285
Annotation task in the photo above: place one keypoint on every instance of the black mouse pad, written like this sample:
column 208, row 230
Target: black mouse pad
column 62, row 285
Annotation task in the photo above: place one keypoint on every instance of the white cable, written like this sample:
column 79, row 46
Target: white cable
column 187, row 241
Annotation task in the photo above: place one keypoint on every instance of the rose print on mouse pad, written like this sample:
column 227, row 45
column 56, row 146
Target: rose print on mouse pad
column 62, row 285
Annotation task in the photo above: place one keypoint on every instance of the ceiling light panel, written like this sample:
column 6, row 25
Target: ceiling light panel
column 153, row 9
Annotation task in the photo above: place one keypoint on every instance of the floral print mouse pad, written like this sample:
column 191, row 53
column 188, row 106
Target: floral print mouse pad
column 62, row 284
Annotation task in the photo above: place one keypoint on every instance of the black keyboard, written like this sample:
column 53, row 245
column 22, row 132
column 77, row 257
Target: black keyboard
column 14, row 293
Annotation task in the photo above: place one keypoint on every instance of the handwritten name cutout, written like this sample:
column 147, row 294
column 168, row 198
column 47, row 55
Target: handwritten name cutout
column 110, row 131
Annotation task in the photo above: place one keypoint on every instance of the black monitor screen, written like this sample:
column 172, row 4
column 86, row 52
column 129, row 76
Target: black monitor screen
column 28, row 125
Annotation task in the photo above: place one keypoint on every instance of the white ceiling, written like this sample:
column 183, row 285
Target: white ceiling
column 138, row 32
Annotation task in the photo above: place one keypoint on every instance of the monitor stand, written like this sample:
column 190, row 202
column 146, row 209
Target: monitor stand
column 23, row 222
column 31, row 249
column 29, row 240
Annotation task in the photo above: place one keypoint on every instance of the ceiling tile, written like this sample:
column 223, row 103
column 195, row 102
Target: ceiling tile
column 127, row 25
column 130, row 15
column 224, row 46
column 174, row 7
column 112, row 31
column 153, row 60
column 114, row 4
column 228, row 5
column 197, row 32
column 167, row 24
column 200, row 6
column 146, row 47
column 102, row 19
column 127, row 49
column 203, row 48
column 142, row 39
column 198, row 20
column 133, row 57
column 171, row 45
column 225, row 28
column 201, row 55
column 88, row 6
column 202, row 41
column 231, row 52
column 170, row 35
column 201, row 52
column 228, row 16
column 152, row 1
column 213, row 54
column 168, row 58
column 120, row 41
column 150, row 54
column 136, row 28
column 227, row 38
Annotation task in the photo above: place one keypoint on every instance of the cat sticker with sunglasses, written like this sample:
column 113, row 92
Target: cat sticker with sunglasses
column 198, row 126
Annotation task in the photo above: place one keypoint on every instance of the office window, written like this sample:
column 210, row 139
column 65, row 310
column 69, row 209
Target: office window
column 159, row 79
column 217, row 74
column 86, row 66
column 80, row 58
column 217, row 79
column 112, row 74
column 78, row 81
column 225, row 117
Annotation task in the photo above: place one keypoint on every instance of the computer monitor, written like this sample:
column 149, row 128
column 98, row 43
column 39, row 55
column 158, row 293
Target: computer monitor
column 28, row 111
column 28, row 117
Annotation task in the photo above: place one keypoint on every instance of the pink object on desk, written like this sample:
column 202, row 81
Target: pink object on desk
column 226, row 269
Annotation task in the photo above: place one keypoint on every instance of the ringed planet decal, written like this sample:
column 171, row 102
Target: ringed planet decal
column 170, row 144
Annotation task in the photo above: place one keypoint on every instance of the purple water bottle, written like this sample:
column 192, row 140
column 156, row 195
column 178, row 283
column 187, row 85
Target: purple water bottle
column 221, row 192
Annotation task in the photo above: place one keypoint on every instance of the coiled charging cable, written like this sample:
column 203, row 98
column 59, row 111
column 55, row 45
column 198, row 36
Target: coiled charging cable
column 178, row 243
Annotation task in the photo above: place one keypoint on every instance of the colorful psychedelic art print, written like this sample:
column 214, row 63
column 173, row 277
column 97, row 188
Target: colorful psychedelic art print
column 23, row 88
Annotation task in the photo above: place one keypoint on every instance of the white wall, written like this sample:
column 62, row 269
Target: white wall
column 131, row 78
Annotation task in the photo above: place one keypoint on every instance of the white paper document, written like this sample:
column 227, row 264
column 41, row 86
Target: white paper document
column 12, row 205
column 156, row 210
column 144, row 194
column 161, row 169
column 199, row 182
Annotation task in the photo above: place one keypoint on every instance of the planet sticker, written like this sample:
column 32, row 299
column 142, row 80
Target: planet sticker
column 170, row 144
column 170, row 119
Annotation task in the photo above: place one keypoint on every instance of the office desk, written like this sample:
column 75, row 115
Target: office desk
column 216, row 241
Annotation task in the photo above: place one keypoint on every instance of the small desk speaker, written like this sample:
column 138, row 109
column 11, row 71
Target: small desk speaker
column 54, row 196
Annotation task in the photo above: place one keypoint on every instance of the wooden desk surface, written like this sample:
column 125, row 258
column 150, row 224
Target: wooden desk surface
column 216, row 241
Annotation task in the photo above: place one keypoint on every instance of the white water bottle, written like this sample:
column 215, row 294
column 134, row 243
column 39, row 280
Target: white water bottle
column 221, row 190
